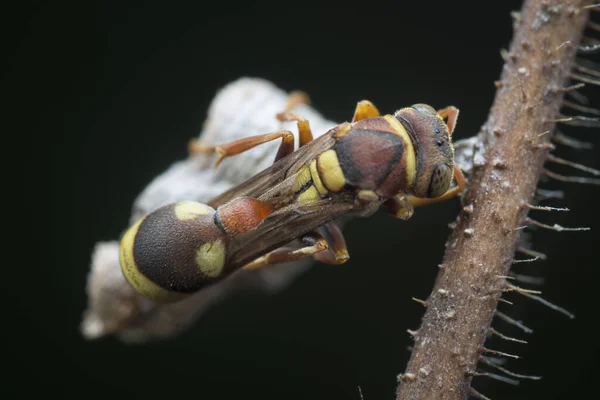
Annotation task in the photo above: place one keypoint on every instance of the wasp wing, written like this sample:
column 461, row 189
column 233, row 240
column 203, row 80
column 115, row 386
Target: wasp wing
column 275, row 178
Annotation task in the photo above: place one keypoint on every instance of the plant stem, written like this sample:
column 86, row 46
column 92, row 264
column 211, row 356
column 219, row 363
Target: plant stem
column 480, row 251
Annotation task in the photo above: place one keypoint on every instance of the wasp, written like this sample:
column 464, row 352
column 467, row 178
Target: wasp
column 397, row 161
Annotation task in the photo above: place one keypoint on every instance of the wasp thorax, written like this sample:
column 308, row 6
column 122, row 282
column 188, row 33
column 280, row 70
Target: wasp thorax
column 173, row 251
column 433, row 147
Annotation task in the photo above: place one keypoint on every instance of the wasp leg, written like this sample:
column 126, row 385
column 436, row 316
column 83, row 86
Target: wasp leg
column 451, row 113
column 461, row 184
column 337, row 253
column 295, row 98
column 241, row 145
column 304, row 130
column 400, row 207
column 315, row 244
column 365, row 109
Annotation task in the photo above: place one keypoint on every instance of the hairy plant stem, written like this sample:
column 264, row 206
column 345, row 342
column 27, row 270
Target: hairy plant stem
column 480, row 250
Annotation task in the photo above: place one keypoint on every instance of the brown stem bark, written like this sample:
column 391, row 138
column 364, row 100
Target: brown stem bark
column 480, row 250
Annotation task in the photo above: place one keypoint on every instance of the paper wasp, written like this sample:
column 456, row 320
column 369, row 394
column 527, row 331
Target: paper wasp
column 397, row 161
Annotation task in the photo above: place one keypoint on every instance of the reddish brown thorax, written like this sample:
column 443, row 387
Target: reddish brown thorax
column 371, row 157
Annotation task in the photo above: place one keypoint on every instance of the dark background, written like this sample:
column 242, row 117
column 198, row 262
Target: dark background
column 113, row 94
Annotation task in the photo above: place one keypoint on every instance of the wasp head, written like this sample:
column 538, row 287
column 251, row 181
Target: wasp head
column 433, row 147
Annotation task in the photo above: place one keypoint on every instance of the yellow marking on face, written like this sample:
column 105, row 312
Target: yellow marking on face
column 309, row 194
column 330, row 171
column 210, row 258
column 139, row 281
column 409, row 152
column 302, row 177
column 316, row 178
column 189, row 210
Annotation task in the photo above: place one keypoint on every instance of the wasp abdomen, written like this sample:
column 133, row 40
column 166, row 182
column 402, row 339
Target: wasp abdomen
column 174, row 251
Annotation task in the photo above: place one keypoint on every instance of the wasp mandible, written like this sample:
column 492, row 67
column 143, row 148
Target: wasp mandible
column 398, row 160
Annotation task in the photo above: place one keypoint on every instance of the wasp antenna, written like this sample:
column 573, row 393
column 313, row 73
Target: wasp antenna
column 563, row 139
column 544, row 194
column 593, row 7
column 498, row 353
column 557, row 160
column 504, row 337
column 571, row 88
column 514, row 322
column 545, row 302
column 478, row 395
column 572, row 179
column 531, row 253
column 494, row 376
column 580, row 108
column 593, row 26
column 532, row 280
column 423, row 302
column 555, row 227
column 488, row 361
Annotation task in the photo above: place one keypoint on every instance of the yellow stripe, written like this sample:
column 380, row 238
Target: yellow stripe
column 189, row 210
column 139, row 281
column 309, row 194
column 316, row 178
column 409, row 151
column 330, row 171
column 302, row 176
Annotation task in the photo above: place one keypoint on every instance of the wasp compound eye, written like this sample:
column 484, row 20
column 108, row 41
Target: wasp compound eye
column 440, row 181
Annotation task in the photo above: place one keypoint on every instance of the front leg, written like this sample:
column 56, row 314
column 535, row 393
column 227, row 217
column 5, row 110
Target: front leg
column 461, row 184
